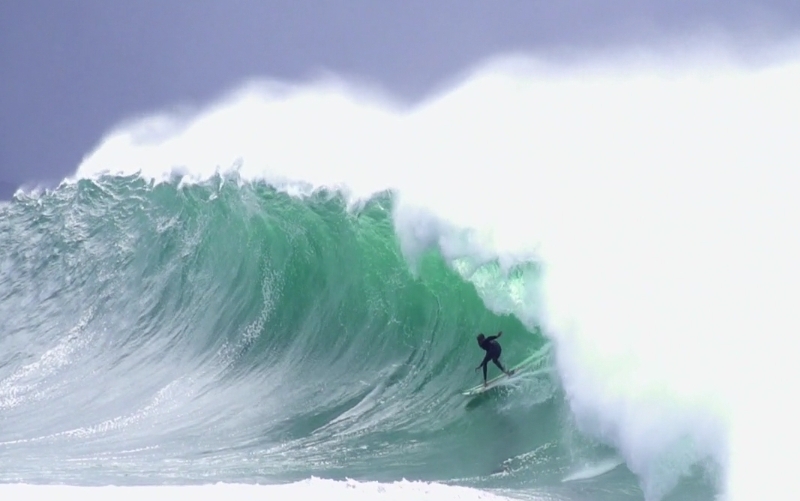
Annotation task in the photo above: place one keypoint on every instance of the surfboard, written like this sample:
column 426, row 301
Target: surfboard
column 492, row 383
column 502, row 378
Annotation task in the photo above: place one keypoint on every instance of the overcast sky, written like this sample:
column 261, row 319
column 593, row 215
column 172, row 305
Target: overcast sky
column 72, row 69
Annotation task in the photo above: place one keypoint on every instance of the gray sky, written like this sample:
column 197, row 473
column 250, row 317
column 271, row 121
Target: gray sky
column 71, row 69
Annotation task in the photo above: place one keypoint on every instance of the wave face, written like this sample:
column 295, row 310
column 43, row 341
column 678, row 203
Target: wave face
column 231, row 331
column 288, row 284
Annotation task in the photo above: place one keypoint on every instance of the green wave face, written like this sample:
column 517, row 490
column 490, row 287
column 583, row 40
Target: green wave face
column 227, row 331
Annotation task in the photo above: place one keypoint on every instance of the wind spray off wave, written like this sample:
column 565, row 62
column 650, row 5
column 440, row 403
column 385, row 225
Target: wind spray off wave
column 642, row 215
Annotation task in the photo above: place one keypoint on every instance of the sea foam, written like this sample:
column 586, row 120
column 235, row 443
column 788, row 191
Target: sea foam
column 312, row 488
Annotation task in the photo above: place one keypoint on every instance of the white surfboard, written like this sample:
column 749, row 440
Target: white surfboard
column 492, row 383
column 502, row 378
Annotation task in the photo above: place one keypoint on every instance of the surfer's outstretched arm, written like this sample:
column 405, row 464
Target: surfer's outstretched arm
column 495, row 337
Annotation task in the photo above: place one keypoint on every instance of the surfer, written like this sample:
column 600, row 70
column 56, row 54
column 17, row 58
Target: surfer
column 493, row 351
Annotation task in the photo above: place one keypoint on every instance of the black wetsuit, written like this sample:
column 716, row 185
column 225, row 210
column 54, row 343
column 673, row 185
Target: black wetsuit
column 493, row 351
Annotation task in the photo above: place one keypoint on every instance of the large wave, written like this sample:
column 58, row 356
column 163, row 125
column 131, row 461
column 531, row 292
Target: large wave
column 298, row 239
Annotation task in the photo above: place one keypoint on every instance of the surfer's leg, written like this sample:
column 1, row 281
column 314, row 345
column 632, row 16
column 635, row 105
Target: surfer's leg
column 498, row 364
column 484, row 372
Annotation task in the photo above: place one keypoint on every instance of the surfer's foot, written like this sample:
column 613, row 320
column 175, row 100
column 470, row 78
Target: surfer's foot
column 510, row 373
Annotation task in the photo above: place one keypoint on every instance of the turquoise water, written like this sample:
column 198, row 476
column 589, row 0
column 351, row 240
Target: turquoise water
column 228, row 332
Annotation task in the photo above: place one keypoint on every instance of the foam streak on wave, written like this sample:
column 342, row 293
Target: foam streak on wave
column 313, row 488
column 660, row 202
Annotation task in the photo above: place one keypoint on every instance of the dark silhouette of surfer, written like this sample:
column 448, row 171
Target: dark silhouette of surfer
column 493, row 351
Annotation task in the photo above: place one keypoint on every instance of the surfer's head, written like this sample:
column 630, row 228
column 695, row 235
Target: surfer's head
column 481, row 337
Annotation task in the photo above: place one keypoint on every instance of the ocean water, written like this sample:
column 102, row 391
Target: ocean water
column 277, row 295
